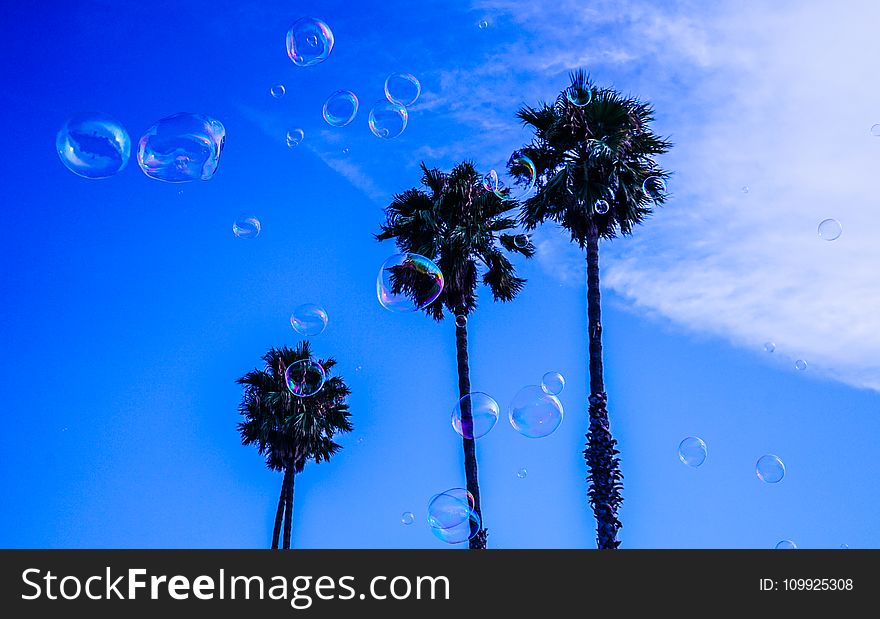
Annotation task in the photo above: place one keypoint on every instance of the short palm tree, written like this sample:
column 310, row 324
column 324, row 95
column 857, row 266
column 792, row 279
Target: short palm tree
column 594, row 149
column 289, row 430
column 457, row 222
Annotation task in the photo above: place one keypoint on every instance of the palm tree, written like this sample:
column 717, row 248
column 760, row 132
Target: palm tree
column 289, row 430
column 461, row 225
column 592, row 145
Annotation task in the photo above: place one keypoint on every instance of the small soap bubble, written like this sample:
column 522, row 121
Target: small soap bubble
column 387, row 119
column 305, row 378
column 246, row 226
column 601, row 207
column 277, row 91
column 407, row 518
column 535, row 413
column 830, row 230
column 461, row 320
column 786, row 544
column 93, row 145
column 309, row 319
column 294, row 137
column 692, row 451
column 340, row 108
column 402, row 88
column 553, row 383
column 408, row 283
column 770, row 469
column 451, row 516
column 522, row 473
column 484, row 411
column 769, row 346
column 654, row 187
column 800, row 364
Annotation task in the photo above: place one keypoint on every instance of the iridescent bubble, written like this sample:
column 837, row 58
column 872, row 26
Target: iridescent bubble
column 786, row 544
column 579, row 93
column 305, row 378
column 521, row 241
column 521, row 176
column 601, row 207
column 522, row 473
column 830, row 230
column 93, row 145
column 769, row 346
column 692, row 451
column 309, row 319
column 654, row 187
column 491, row 182
column 340, row 108
column 484, row 412
column 800, row 364
column 402, row 88
column 183, row 147
column 451, row 516
column 534, row 413
column 770, row 469
column 407, row 518
column 875, row 130
column 388, row 120
column 553, row 383
column 461, row 320
column 246, row 226
column 295, row 136
column 309, row 41
column 277, row 91
column 408, row 282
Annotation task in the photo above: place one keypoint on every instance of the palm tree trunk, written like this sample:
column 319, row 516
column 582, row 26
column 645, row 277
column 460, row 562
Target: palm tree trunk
column 605, row 478
column 279, row 514
column 478, row 535
column 289, row 477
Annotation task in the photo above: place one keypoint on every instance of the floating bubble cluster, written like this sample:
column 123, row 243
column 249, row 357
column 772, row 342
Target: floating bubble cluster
column 800, row 364
column 309, row 319
column 786, row 544
column 277, row 91
column 484, row 411
column 654, row 187
column 770, row 469
column 295, row 136
column 183, row 147
column 692, row 451
column 553, row 383
column 402, row 88
column 387, row 119
column 451, row 516
column 305, row 378
column 534, row 413
column 769, row 346
column 93, row 145
column 309, row 41
column 246, row 226
column 830, row 230
column 601, row 207
column 407, row 518
column 408, row 282
column 579, row 93
column 340, row 108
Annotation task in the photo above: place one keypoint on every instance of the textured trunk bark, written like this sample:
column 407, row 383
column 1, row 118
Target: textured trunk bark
column 601, row 453
column 279, row 514
column 478, row 534
column 288, row 502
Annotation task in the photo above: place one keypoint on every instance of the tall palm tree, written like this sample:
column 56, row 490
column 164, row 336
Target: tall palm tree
column 461, row 225
column 591, row 145
column 289, row 430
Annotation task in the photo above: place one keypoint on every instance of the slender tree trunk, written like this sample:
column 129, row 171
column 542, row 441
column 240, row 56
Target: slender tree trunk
column 478, row 533
column 289, row 476
column 601, row 453
column 279, row 514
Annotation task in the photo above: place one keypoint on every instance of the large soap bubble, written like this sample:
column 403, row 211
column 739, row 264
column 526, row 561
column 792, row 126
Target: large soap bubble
column 309, row 319
column 93, row 145
column 535, row 413
column 402, row 88
column 309, row 41
column 408, row 282
column 340, row 108
column 305, row 378
column 451, row 516
column 484, row 412
column 387, row 119
column 183, row 147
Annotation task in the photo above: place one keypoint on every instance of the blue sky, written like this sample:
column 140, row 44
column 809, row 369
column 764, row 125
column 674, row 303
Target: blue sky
column 129, row 308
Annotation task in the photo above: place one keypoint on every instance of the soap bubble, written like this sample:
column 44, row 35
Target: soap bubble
column 521, row 241
column 408, row 282
column 875, row 130
column 692, row 451
column 534, row 413
column 522, row 473
column 451, row 516
column 305, row 378
column 769, row 346
column 407, row 518
column 93, row 145
column 830, row 230
column 277, row 91
column 520, row 177
column 579, row 93
column 388, row 120
column 309, row 41
column 309, row 319
column 601, row 207
column 844, row 547
column 770, row 469
column 553, row 383
column 491, row 182
column 484, row 413
column 461, row 320
column 346, row 150
column 402, row 88
column 183, row 147
column 786, row 544
column 295, row 136
column 745, row 189
column 800, row 364
column 340, row 108
column 246, row 226
column 483, row 24
column 654, row 187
